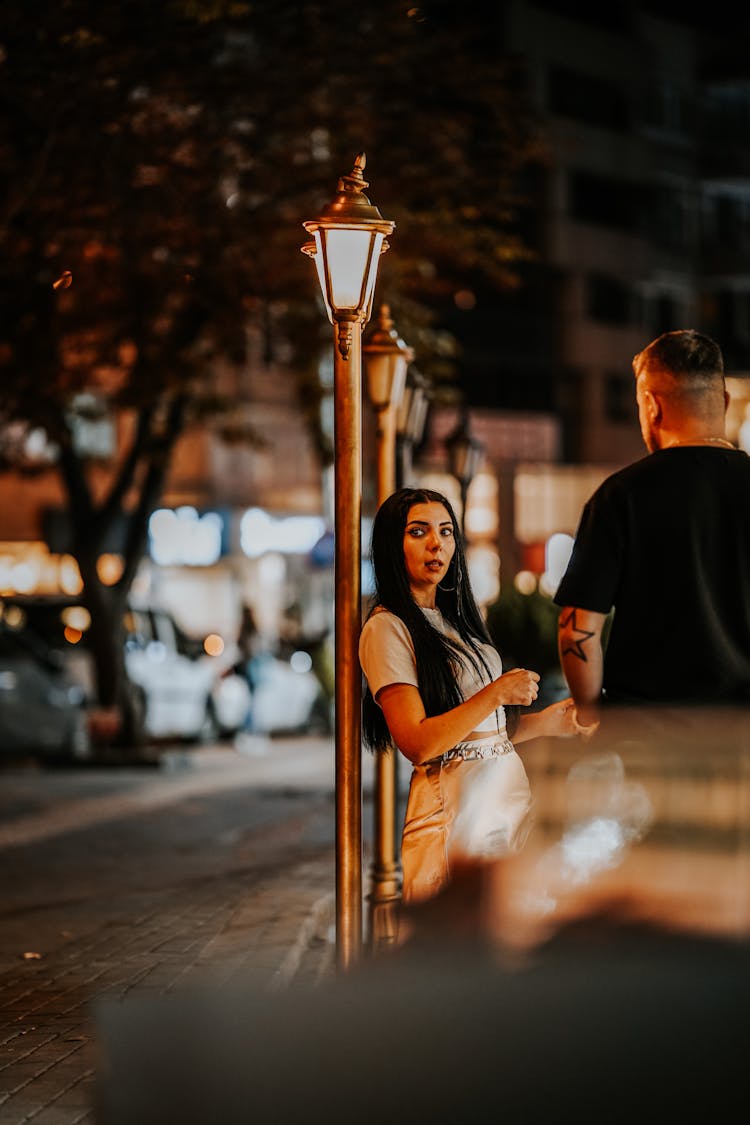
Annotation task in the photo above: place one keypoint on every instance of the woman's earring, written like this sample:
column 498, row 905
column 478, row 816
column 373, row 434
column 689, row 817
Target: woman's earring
column 446, row 589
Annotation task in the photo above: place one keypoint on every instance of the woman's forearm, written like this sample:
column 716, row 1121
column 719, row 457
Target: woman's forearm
column 421, row 737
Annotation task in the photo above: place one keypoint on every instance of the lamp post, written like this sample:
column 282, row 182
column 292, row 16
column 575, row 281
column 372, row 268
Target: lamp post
column 350, row 235
column 465, row 453
column 410, row 422
column 386, row 360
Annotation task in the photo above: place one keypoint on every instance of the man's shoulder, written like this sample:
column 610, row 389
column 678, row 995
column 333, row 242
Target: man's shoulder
column 660, row 466
column 627, row 477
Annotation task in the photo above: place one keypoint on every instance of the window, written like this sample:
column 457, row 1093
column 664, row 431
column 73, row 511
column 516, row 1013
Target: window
column 667, row 216
column 609, row 300
column 663, row 313
column 604, row 201
column 665, row 107
column 619, row 397
column 583, row 97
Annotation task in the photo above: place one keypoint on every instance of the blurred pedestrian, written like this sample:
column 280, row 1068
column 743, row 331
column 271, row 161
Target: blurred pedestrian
column 436, row 690
column 665, row 543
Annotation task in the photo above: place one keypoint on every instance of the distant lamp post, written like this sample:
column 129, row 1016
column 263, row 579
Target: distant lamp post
column 386, row 360
column 411, row 417
column 465, row 454
column 350, row 235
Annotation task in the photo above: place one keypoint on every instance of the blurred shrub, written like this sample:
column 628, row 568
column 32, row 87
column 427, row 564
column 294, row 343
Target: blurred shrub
column 523, row 628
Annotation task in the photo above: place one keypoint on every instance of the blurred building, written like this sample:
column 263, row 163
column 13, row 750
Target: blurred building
column 642, row 225
column 644, row 222
column 242, row 523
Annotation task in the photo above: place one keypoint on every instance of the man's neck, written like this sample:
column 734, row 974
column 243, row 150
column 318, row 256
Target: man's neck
column 714, row 439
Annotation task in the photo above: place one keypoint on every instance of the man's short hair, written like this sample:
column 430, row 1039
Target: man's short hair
column 684, row 352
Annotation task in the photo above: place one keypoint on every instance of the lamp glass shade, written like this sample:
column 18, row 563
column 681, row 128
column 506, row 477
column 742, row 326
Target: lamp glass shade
column 412, row 412
column 465, row 454
column 418, row 416
column 378, row 246
column 317, row 257
column 347, row 262
column 405, row 408
column 400, row 364
column 386, row 378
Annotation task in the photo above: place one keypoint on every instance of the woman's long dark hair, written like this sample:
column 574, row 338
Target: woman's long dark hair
column 437, row 656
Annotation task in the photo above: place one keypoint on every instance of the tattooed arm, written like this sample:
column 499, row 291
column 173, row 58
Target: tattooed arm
column 580, row 647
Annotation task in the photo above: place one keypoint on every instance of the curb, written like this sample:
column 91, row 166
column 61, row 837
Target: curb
column 312, row 953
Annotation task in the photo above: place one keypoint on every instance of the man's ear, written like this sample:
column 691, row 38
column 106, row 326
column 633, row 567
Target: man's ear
column 653, row 406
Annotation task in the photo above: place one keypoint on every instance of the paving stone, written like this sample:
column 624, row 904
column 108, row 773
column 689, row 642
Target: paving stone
column 208, row 912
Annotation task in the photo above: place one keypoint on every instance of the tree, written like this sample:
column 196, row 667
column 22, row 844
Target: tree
column 158, row 162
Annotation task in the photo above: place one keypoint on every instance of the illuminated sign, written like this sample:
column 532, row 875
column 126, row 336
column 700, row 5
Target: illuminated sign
column 261, row 533
column 183, row 537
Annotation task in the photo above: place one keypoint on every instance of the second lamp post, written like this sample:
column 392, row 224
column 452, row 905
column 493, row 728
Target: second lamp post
column 465, row 453
column 386, row 360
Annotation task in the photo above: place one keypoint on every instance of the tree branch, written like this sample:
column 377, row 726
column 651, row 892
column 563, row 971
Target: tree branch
column 151, row 491
column 81, row 505
column 111, row 507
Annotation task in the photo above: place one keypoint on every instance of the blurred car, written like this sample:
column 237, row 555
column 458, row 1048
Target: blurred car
column 182, row 691
column 288, row 696
column 186, row 693
column 42, row 710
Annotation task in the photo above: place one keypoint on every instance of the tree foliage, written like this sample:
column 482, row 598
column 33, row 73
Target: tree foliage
column 166, row 154
column 159, row 159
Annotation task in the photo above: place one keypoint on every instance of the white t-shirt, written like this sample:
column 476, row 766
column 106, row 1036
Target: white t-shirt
column 386, row 654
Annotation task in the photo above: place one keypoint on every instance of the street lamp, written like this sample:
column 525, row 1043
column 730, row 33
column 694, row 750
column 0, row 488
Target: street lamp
column 411, row 417
column 465, row 453
column 386, row 360
column 350, row 235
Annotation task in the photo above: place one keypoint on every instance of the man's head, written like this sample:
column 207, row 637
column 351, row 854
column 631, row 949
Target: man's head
column 680, row 389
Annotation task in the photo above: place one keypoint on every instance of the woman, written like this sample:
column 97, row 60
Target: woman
column 436, row 690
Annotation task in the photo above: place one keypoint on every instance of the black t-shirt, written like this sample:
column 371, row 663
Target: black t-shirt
column 666, row 542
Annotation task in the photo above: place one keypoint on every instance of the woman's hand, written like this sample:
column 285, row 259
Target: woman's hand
column 518, row 688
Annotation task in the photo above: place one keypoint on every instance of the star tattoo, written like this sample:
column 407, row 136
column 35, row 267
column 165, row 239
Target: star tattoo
column 575, row 647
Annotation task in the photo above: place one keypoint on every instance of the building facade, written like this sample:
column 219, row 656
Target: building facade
column 644, row 218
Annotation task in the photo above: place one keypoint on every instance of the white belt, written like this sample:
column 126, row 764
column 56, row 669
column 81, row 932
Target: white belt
column 477, row 751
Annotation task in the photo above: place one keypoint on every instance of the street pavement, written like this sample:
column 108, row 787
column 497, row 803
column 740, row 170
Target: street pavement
column 213, row 870
column 167, row 953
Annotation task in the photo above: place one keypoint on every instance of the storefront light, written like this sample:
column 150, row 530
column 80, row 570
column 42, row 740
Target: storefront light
column 76, row 617
column 525, row 582
column 743, row 436
column 482, row 520
column 261, row 533
column 183, row 537
column 24, row 577
column 556, row 558
column 213, row 645
column 484, row 571
column 70, row 576
column 109, row 568
column 301, row 661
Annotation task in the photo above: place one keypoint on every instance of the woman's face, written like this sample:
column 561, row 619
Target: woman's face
column 429, row 546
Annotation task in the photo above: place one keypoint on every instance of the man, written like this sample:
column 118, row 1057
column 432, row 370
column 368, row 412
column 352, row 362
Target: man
column 665, row 543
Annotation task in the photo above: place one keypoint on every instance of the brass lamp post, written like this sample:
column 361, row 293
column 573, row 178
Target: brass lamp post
column 386, row 360
column 465, row 453
column 350, row 235
column 411, row 417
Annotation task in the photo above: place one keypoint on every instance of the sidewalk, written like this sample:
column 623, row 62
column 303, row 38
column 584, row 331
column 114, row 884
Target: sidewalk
column 266, row 921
